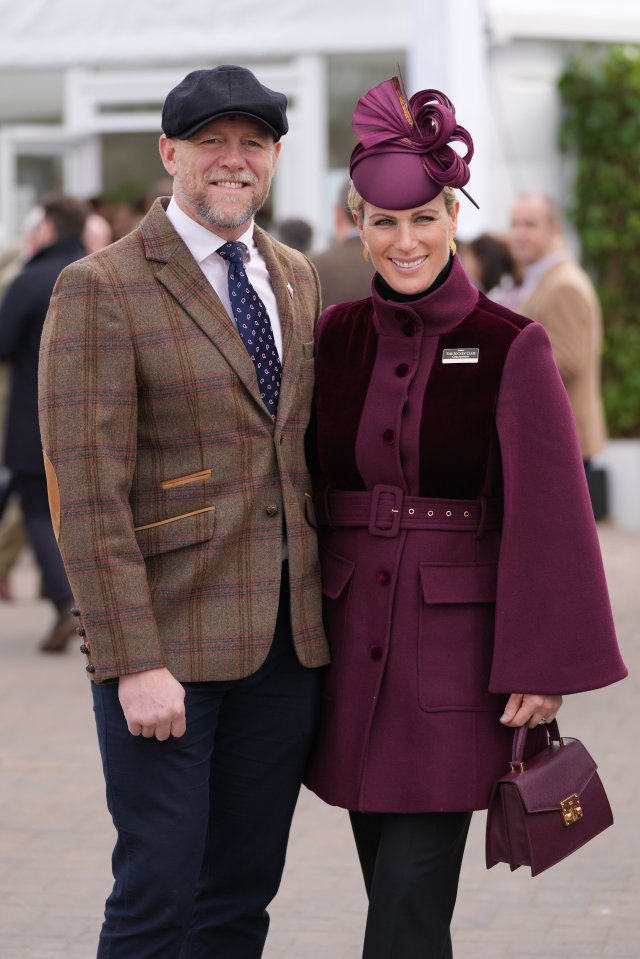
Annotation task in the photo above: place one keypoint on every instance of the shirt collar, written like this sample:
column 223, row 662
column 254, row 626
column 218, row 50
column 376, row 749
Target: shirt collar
column 201, row 242
column 538, row 269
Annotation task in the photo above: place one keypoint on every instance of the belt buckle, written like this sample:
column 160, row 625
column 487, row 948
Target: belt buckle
column 395, row 510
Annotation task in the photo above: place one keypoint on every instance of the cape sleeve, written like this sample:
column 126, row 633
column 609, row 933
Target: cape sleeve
column 88, row 421
column 554, row 629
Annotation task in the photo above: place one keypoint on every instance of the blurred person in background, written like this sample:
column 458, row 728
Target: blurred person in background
column 558, row 293
column 345, row 274
column 97, row 232
column 296, row 233
column 53, row 242
column 12, row 535
column 488, row 263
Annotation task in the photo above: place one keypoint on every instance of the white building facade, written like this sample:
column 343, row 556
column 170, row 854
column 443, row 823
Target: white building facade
column 82, row 85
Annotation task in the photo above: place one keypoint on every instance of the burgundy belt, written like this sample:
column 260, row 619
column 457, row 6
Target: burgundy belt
column 385, row 510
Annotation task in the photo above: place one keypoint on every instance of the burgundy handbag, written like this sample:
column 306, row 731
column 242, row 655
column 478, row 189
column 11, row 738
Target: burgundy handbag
column 547, row 806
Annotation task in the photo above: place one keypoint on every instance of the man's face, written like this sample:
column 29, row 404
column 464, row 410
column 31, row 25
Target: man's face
column 533, row 233
column 221, row 176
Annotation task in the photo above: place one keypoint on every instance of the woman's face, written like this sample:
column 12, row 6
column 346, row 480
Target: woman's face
column 409, row 248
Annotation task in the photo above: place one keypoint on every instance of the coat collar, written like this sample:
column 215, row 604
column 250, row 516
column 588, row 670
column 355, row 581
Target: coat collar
column 182, row 277
column 434, row 313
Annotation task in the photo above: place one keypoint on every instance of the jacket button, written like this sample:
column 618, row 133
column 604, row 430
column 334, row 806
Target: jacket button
column 80, row 630
column 409, row 328
column 272, row 509
column 383, row 576
column 389, row 437
column 75, row 611
column 402, row 369
column 84, row 649
column 376, row 652
column 90, row 669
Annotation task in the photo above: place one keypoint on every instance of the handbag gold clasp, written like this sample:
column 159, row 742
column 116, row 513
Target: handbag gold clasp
column 571, row 809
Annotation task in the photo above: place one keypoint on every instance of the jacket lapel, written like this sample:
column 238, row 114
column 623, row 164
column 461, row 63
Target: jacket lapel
column 182, row 277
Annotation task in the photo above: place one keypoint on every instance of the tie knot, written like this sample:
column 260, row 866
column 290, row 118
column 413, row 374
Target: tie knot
column 233, row 251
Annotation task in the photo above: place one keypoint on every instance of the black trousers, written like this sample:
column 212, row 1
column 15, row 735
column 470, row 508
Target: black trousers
column 411, row 866
column 203, row 821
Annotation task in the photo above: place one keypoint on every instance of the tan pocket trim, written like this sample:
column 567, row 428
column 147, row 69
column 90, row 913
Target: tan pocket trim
column 187, row 478
column 173, row 519
column 53, row 492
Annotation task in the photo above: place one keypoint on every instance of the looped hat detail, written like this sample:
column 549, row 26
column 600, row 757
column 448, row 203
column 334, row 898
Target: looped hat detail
column 403, row 158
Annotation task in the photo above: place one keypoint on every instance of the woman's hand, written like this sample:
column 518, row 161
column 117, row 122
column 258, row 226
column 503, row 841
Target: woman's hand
column 530, row 708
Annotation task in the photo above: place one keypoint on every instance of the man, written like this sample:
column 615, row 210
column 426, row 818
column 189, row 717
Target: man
column 557, row 293
column 53, row 241
column 174, row 445
column 344, row 273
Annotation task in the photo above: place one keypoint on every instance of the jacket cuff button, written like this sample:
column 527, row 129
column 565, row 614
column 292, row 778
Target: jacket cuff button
column 90, row 669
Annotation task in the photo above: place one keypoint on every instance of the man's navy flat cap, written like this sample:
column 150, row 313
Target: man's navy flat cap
column 223, row 91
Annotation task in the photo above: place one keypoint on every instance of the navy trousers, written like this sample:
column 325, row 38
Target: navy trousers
column 411, row 865
column 203, row 821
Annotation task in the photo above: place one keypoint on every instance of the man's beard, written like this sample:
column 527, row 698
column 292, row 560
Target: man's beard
column 219, row 218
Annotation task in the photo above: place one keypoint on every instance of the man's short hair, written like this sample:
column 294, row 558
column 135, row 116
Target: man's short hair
column 66, row 213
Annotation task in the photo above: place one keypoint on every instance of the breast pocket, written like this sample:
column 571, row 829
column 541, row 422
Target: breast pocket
column 455, row 642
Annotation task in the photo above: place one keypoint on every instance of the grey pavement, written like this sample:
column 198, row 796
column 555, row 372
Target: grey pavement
column 56, row 837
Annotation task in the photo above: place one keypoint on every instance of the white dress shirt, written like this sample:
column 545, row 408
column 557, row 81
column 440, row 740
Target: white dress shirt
column 203, row 243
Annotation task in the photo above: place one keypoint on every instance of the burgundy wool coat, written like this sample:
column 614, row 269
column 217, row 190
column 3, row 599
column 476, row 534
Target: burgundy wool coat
column 459, row 554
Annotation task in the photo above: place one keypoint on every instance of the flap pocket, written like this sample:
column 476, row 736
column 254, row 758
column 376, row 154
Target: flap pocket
column 336, row 573
column 459, row 583
column 176, row 532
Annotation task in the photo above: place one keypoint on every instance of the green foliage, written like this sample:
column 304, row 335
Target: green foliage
column 600, row 95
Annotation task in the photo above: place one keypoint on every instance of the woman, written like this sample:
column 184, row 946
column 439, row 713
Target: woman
column 464, row 591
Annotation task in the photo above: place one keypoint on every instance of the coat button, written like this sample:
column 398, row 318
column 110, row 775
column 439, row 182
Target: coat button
column 383, row 577
column 389, row 437
column 84, row 649
column 90, row 669
column 409, row 328
column 402, row 369
column 272, row 509
column 75, row 611
column 376, row 652
column 80, row 630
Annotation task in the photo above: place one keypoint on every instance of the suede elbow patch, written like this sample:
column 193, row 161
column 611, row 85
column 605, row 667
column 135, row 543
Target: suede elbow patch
column 53, row 491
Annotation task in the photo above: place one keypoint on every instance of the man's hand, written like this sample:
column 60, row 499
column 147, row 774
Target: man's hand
column 529, row 708
column 153, row 704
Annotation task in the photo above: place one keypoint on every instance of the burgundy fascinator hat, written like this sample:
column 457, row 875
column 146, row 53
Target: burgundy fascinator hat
column 403, row 157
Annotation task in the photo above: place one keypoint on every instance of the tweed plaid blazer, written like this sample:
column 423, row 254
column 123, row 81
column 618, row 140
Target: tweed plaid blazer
column 168, row 480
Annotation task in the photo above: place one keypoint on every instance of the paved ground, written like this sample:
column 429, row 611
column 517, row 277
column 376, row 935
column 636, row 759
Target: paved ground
column 55, row 835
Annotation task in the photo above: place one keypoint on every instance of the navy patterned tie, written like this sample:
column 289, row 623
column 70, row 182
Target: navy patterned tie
column 254, row 325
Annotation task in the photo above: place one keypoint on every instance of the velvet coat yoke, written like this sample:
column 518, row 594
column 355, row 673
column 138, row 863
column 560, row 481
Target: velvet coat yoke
column 460, row 560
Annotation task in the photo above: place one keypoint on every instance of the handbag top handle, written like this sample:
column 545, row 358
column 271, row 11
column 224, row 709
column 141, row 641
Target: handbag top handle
column 520, row 738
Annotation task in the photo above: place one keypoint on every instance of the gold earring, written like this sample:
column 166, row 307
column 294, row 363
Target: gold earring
column 365, row 252
column 452, row 246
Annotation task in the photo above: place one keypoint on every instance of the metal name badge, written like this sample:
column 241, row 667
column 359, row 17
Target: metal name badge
column 461, row 355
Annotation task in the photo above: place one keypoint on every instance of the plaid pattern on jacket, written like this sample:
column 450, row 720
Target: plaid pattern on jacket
column 168, row 479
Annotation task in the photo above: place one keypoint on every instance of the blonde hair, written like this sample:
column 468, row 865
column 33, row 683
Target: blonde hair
column 356, row 202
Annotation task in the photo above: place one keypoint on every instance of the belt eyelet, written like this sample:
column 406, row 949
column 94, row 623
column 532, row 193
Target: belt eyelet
column 430, row 512
column 448, row 513
column 466, row 512
column 411, row 512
